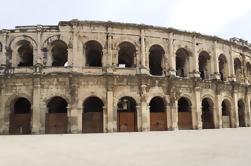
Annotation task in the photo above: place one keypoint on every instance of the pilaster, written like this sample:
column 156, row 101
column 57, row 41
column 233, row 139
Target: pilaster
column 36, row 119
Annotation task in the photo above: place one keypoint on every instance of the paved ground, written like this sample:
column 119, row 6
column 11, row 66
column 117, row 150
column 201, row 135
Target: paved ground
column 218, row 147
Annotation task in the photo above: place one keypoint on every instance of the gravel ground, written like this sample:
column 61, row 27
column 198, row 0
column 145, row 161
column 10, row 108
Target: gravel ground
column 217, row 147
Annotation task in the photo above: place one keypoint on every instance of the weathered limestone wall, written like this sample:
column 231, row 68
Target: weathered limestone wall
column 77, row 81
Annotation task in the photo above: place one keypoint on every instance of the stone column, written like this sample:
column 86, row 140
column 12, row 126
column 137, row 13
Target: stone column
column 168, row 113
column 75, row 56
column 37, row 56
column 231, row 66
column 73, row 119
column 172, row 56
column 4, row 52
column 215, row 62
column 174, row 115
column 79, row 112
column 139, row 118
column 143, row 65
column 234, row 111
column 247, row 110
column 3, row 112
column 110, row 110
column 217, row 112
column 145, row 119
column 142, row 49
column 196, row 112
column 105, row 119
column 36, row 119
column 109, row 47
column 194, row 63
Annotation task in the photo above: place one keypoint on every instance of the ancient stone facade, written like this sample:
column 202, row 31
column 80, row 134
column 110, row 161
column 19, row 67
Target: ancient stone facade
column 88, row 76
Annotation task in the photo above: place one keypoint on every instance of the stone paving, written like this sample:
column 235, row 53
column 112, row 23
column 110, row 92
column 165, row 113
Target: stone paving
column 217, row 147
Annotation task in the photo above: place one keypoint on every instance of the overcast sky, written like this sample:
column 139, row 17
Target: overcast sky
column 224, row 18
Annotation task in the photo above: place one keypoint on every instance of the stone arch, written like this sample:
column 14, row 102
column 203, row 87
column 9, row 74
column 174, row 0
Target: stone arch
column 182, row 62
column 241, row 112
column 9, row 103
column 20, row 116
column 158, row 117
column 223, row 67
column 126, row 54
column 93, row 53
column 156, row 59
column 23, row 49
column 56, row 119
column 92, row 115
column 12, row 43
column 127, row 114
column 207, row 116
column 204, row 65
column 226, row 113
column 184, row 113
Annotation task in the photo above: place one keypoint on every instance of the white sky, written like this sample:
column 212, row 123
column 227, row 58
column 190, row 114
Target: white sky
column 224, row 18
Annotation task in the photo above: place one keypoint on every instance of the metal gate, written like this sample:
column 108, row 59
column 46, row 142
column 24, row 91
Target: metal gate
column 185, row 120
column 20, row 123
column 92, row 122
column 126, row 122
column 56, row 123
column 158, row 121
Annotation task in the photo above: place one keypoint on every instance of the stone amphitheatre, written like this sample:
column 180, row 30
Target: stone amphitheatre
column 98, row 77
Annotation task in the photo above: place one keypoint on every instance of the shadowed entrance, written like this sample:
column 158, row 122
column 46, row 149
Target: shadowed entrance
column 20, row 117
column 92, row 115
column 184, row 114
column 158, row 119
column 207, row 114
column 127, row 115
column 56, row 118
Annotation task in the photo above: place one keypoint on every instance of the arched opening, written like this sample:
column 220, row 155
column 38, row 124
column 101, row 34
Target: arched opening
column 92, row 115
column 237, row 68
column 156, row 60
column 158, row 118
column 127, row 115
column 182, row 62
column 56, row 118
column 248, row 75
column 20, row 117
column 207, row 113
column 127, row 52
column 226, row 113
column 184, row 114
column 94, row 53
column 59, row 53
column 241, row 113
column 25, row 54
column 223, row 67
column 204, row 65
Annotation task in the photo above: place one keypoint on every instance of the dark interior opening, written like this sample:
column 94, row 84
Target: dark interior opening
column 203, row 65
column 59, row 53
column 157, row 105
column 93, row 54
column 93, row 104
column 181, row 62
column 183, row 105
column 155, row 60
column 22, row 106
column 57, row 105
column 25, row 52
column 127, row 53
